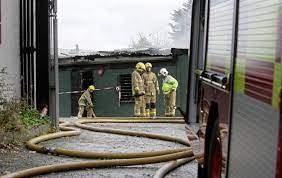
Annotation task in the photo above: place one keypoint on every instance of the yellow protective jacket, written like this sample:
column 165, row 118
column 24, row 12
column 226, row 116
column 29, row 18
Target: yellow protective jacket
column 137, row 83
column 151, row 84
column 85, row 99
column 169, row 84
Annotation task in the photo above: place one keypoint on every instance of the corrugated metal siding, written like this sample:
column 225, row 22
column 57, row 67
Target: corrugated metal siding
column 255, row 120
column 253, row 139
column 258, row 30
column 259, row 80
column 220, row 35
column 257, row 41
column 279, row 42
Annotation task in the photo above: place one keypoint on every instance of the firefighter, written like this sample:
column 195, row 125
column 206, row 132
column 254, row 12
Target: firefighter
column 85, row 103
column 169, row 88
column 151, row 90
column 138, row 90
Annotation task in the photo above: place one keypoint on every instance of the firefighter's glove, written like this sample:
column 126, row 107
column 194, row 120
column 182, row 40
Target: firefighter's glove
column 136, row 89
column 142, row 93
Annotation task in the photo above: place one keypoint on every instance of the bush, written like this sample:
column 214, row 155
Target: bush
column 9, row 116
column 16, row 114
column 31, row 117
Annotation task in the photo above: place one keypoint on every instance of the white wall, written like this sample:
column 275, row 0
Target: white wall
column 9, row 47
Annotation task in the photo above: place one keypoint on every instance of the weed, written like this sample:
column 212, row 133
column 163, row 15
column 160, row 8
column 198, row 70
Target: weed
column 16, row 114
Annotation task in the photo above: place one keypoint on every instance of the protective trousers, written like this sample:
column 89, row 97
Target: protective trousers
column 151, row 105
column 169, row 102
column 139, row 107
column 81, row 111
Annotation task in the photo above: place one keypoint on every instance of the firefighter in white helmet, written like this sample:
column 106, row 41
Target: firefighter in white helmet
column 85, row 103
column 138, row 90
column 151, row 90
column 169, row 88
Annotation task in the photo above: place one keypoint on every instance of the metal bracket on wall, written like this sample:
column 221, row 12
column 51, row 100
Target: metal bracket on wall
column 52, row 8
column 29, row 50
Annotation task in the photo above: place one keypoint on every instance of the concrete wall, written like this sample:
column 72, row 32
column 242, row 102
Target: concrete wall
column 9, row 47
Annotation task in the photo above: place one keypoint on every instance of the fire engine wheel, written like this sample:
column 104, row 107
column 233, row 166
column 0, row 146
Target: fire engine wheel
column 115, row 159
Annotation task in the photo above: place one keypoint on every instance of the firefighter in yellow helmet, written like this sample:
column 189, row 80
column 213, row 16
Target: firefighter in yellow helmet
column 138, row 90
column 85, row 103
column 169, row 88
column 151, row 86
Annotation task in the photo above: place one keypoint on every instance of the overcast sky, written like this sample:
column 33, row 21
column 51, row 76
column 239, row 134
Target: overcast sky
column 111, row 24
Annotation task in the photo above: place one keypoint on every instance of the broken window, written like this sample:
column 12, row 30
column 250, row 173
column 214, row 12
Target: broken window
column 125, row 87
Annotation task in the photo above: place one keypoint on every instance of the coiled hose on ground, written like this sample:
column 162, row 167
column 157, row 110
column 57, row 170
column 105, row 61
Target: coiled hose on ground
column 116, row 159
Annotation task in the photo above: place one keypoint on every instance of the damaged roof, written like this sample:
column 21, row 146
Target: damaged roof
column 118, row 56
column 64, row 53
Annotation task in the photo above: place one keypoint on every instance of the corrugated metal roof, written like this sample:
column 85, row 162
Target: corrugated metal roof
column 63, row 53
column 111, row 60
column 116, row 56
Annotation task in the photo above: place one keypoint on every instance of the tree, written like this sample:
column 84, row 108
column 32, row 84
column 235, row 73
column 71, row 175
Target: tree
column 153, row 40
column 141, row 42
column 180, row 25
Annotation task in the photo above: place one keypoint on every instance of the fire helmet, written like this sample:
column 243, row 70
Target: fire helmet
column 163, row 72
column 140, row 66
column 148, row 64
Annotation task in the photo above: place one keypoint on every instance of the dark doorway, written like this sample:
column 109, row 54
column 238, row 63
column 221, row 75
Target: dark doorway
column 75, row 86
column 87, row 79
column 79, row 83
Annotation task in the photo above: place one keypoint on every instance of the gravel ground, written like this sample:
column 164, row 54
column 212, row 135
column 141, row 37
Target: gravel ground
column 15, row 160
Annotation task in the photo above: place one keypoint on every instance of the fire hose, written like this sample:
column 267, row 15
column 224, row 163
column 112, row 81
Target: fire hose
column 172, row 165
column 133, row 120
column 115, row 159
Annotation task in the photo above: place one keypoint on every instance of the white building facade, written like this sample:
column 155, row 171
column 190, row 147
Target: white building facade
column 10, row 44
